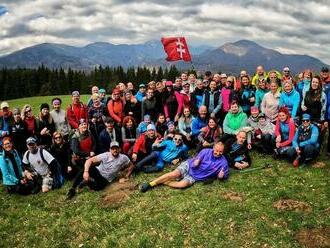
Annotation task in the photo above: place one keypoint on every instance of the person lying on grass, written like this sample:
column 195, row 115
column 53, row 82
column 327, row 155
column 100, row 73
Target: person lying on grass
column 98, row 177
column 208, row 164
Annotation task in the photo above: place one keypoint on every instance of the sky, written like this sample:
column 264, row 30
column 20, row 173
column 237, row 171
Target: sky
column 294, row 27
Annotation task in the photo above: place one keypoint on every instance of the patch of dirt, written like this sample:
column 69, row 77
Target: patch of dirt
column 316, row 237
column 118, row 193
column 233, row 196
column 319, row 165
column 292, row 205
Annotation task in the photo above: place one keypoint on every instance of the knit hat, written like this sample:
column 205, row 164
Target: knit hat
column 102, row 90
column 44, row 105
column 151, row 127
column 146, row 118
column 170, row 123
column 169, row 83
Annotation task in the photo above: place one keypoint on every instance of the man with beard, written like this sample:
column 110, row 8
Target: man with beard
column 98, row 177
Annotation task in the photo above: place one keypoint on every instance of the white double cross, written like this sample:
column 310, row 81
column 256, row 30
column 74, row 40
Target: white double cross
column 180, row 48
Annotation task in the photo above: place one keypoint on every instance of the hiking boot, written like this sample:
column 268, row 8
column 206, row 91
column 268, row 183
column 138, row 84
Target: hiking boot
column 145, row 187
column 275, row 154
column 71, row 193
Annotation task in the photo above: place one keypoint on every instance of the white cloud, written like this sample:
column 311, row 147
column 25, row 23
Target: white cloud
column 289, row 26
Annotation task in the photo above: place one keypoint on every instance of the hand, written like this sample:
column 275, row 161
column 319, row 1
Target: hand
column 176, row 118
column 134, row 157
column 86, row 176
column 298, row 150
column 44, row 131
column 92, row 154
column 221, row 174
column 249, row 146
column 23, row 181
column 278, row 144
column 278, row 139
column 28, row 175
column 212, row 115
column 304, row 108
column 168, row 119
column 123, row 180
column 258, row 136
column 69, row 169
column 252, row 99
column 196, row 162
column 175, row 161
column 93, row 120
column 188, row 137
column 325, row 124
column 205, row 143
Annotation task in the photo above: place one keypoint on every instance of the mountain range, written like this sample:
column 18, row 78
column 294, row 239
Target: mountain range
column 229, row 58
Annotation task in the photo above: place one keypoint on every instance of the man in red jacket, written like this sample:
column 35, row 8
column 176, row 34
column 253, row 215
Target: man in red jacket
column 76, row 110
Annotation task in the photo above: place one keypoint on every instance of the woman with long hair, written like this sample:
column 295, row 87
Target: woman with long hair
column 31, row 122
column 172, row 102
column 128, row 134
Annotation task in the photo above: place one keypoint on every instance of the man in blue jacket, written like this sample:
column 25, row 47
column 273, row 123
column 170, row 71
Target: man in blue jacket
column 164, row 151
column 305, row 144
column 199, row 121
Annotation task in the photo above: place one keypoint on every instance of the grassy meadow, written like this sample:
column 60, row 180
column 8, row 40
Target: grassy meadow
column 241, row 212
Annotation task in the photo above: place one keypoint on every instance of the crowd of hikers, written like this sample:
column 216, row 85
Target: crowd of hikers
column 144, row 128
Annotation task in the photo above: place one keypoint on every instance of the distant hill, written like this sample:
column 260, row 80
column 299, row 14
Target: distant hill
column 230, row 57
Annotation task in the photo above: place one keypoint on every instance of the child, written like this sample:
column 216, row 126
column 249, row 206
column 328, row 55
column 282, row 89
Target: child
column 161, row 126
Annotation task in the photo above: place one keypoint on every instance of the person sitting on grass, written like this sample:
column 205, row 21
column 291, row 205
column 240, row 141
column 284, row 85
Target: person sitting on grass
column 39, row 163
column 13, row 178
column 284, row 134
column 264, row 134
column 98, row 177
column 305, row 144
column 207, row 165
column 238, row 153
column 164, row 152
column 142, row 127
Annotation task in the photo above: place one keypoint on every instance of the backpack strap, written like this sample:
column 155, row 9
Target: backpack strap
column 41, row 150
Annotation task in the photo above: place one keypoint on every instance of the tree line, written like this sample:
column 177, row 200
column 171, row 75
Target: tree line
column 42, row 81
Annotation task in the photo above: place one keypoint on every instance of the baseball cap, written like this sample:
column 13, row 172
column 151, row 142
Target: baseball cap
column 31, row 140
column 4, row 105
column 113, row 144
column 142, row 85
column 306, row 117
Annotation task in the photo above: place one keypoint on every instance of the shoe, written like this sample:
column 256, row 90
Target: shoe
column 296, row 163
column 275, row 154
column 71, row 193
column 145, row 187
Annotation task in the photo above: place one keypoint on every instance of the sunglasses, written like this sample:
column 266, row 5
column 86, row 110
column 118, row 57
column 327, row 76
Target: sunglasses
column 286, row 71
column 177, row 139
column 58, row 137
column 27, row 111
column 305, row 120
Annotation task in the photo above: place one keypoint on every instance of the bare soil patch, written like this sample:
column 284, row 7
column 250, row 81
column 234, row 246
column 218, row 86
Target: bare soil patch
column 292, row 205
column 233, row 196
column 314, row 238
column 118, row 193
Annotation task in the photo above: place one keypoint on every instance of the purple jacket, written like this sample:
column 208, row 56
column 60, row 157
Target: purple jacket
column 209, row 166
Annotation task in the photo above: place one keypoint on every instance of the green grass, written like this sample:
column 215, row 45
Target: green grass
column 195, row 217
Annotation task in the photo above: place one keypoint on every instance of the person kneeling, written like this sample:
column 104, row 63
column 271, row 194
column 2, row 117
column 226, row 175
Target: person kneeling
column 238, row 152
column 305, row 144
column 97, row 178
column 208, row 164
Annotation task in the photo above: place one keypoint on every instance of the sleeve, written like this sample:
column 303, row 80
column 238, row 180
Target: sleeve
column 24, row 160
column 277, row 128
column 184, row 152
column 324, row 105
column 126, row 160
column 263, row 105
column 143, row 109
column 225, row 169
column 161, row 146
column 138, row 144
column 103, row 157
column 295, row 140
column 194, row 127
column 201, row 136
column 179, row 99
column 75, row 148
column 295, row 105
column 244, row 120
column 280, row 102
column 166, row 112
column 47, row 156
column 112, row 113
column 218, row 105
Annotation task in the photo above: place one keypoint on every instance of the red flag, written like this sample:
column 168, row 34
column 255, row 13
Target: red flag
column 176, row 48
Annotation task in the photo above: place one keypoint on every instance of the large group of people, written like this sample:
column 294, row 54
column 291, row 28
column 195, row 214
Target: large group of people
column 143, row 129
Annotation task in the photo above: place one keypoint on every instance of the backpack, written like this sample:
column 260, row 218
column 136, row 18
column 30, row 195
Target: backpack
column 55, row 170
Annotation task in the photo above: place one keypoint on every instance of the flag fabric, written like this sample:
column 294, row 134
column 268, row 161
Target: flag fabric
column 176, row 48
